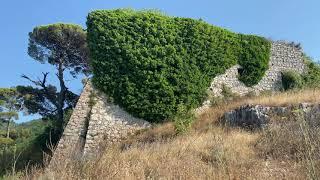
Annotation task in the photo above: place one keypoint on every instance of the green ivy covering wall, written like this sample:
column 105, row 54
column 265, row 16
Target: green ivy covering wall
column 151, row 64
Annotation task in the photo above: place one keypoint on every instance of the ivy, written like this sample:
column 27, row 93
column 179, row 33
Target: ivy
column 151, row 64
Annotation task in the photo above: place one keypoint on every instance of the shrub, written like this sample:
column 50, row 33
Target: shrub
column 291, row 80
column 5, row 142
column 312, row 77
column 183, row 119
column 150, row 63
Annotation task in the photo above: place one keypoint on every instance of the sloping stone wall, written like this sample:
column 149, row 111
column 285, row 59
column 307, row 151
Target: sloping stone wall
column 283, row 57
column 73, row 138
column 109, row 124
column 94, row 121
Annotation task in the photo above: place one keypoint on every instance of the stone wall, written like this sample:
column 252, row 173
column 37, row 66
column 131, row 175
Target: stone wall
column 109, row 124
column 73, row 138
column 283, row 57
column 95, row 121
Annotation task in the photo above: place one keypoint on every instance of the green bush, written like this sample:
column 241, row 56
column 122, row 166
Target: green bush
column 150, row 63
column 312, row 77
column 5, row 142
column 291, row 80
column 183, row 119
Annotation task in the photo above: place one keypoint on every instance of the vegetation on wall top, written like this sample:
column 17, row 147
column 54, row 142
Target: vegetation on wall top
column 151, row 64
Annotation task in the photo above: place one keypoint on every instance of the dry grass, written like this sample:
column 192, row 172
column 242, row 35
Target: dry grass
column 216, row 154
column 292, row 139
column 286, row 150
column 213, row 155
column 212, row 115
column 286, row 98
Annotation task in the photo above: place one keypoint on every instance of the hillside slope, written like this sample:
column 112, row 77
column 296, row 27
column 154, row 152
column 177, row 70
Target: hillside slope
column 286, row 149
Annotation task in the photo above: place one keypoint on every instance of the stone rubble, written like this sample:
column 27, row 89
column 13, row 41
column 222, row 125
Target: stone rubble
column 258, row 116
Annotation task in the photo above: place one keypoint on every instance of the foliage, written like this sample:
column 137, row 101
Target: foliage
column 309, row 79
column 226, row 96
column 5, row 142
column 183, row 120
column 27, row 144
column 57, row 43
column 43, row 100
column 254, row 59
column 312, row 77
column 11, row 104
column 23, row 146
column 291, row 80
column 151, row 64
column 63, row 46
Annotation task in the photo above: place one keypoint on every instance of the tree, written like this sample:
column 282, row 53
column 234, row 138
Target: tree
column 10, row 104
column 63, row 46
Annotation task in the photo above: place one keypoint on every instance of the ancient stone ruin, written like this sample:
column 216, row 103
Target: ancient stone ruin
column 284, row 57
column 96, row 120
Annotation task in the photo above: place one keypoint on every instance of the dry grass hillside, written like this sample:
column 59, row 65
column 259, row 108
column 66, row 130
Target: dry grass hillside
column 287, row 149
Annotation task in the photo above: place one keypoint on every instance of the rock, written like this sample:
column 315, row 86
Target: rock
column 258, row 116
column 251, row 116
column 280, row 111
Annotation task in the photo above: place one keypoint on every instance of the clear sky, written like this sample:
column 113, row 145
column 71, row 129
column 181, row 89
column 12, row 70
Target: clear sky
column 293, row 20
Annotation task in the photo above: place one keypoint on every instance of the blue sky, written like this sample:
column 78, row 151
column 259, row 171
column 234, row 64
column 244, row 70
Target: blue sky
column 293, row 20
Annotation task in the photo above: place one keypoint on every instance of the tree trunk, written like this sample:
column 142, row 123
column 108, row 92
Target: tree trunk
column 61, row 95
column 8, row 128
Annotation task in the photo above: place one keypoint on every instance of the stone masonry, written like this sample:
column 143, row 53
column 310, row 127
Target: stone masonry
column 95, row 121
column 73, row 138
column 108, row 124
column 283, row 57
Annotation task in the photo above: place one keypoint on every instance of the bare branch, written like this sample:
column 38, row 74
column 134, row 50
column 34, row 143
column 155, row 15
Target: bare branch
column 37, row 83
column 42, row 84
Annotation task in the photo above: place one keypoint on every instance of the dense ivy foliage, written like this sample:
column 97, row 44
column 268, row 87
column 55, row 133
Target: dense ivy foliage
column 254, row 58
column 151, row 64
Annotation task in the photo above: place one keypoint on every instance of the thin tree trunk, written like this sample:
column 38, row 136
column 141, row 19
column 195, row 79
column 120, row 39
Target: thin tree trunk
column 61, row 96
column 8, row 128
